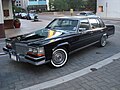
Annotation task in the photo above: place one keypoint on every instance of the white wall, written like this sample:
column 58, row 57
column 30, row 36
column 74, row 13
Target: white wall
column 7, row 5
column 47, row 1
column 25, row 4
column 1, row 13
column 112, row 9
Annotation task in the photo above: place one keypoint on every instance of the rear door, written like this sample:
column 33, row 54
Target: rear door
column 97, row 29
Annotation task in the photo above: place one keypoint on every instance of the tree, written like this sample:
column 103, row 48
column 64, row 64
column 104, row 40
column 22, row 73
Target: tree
column 60, row 5
column 18, row 9
column 91, row 5
column 51, row 4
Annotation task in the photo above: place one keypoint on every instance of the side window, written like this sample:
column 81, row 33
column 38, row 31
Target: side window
column 84, row 24
column 94, row 23
column 101, row 23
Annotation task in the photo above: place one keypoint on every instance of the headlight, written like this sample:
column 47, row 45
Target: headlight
column 33, row 50
column 8, row 44
column 40, row 50
column 37, row 51
column 30, row 49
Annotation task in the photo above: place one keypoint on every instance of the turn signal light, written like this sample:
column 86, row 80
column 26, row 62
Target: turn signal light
column 33, row 54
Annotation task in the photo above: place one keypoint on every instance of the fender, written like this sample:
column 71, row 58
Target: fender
column 105, row 34
column 61, row 44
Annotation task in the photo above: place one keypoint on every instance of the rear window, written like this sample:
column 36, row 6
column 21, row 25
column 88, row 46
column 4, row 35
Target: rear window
column 94, row 23
column 101, row 23
column 84, row 24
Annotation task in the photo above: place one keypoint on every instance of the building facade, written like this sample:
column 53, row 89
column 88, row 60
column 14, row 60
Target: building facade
column 108, row 8
column 6, row 16
column 21, row 3
column 39, row 4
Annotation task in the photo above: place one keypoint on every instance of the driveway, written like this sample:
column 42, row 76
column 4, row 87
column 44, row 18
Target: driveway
column 17, row 75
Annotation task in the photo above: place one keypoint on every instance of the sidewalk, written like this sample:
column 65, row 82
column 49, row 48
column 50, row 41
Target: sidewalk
column 105, row 78
column 108, row 18
column 27, row 26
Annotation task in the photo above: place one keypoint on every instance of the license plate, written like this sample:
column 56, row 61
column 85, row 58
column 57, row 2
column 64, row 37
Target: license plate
column 13, row 57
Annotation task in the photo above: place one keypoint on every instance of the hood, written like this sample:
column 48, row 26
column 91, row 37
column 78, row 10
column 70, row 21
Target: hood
column 43, row 35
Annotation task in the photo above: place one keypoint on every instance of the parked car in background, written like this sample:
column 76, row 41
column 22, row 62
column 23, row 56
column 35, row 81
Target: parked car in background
column 87, row 13
column 31, row 16
column 57, row 40
column 23, row 15
column 17, row 15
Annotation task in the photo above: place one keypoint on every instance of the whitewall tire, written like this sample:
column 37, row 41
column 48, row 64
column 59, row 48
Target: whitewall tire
column 59, row 57
column 103, row 41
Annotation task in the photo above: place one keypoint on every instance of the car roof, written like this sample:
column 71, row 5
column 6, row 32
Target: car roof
column 76, row 17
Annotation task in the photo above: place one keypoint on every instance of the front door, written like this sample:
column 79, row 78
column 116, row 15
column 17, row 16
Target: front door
column 84, row 35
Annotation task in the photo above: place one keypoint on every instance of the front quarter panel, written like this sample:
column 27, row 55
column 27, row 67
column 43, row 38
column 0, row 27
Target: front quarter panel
column 66, row 42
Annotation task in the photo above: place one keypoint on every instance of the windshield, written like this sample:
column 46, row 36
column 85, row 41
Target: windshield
column 87, row 13
column 90, row 14
column 48, row 33
column 83, row 14
column 63, row 24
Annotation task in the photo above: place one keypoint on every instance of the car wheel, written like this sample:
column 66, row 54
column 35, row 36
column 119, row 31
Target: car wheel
column 59, row 57
column 103, row 41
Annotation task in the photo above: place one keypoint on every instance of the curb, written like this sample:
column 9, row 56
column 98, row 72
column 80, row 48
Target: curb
column 3, row 53
column 2, row 39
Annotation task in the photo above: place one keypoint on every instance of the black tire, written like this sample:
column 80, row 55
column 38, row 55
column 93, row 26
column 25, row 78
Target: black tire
column 103, row 41
column 59, row 58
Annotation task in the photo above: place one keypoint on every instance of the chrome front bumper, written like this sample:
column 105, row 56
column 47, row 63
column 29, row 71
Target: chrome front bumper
column 26, row 58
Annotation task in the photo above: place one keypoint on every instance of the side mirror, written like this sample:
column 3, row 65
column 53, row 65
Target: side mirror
column 93, row 27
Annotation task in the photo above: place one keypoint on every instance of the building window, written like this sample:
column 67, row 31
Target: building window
column 19, row 4
column 100, row 8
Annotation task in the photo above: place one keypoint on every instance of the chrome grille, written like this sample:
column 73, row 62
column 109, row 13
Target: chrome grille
column 21, row 48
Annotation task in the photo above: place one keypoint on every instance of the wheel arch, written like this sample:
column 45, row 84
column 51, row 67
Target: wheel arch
column 64, row 45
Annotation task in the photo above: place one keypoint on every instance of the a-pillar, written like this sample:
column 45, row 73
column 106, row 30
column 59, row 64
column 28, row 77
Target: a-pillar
column 2, row 31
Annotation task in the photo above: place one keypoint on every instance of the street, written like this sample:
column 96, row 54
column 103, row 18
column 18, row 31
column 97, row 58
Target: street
column 17, row 75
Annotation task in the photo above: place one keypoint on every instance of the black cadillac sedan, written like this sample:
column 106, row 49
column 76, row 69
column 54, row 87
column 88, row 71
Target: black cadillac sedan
column 58, row 39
